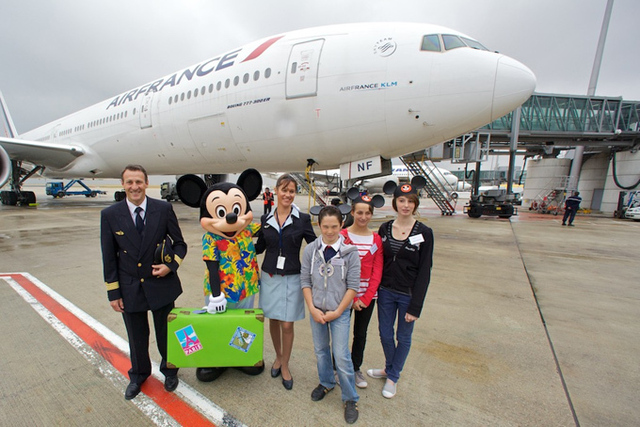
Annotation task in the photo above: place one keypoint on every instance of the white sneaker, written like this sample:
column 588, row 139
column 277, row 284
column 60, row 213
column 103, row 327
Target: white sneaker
column 377, row 373
column 360, row 381
column 389, row 389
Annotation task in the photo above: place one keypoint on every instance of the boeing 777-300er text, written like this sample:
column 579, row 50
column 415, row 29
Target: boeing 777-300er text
column 351, row 96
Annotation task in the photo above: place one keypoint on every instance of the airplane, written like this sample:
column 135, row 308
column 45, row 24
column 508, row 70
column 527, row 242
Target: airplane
column 350, row 96
column 441, row 176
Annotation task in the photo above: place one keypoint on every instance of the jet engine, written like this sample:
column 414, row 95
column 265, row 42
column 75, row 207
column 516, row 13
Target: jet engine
column 5, row 167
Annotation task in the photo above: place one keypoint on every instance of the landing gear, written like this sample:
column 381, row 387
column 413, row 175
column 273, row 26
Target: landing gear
column 15, row 196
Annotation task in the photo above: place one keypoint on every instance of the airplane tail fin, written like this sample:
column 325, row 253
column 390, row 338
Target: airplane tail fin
column 7, row 128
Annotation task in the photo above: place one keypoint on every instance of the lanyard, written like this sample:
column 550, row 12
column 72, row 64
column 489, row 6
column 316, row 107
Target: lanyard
column 280, row 227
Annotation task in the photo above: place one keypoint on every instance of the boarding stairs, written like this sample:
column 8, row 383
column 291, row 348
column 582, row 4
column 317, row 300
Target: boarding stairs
column 436, row 187
column 552, row 197
column 307, row 185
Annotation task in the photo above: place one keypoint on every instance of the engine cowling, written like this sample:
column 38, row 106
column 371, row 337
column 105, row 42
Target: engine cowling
column 5, row 167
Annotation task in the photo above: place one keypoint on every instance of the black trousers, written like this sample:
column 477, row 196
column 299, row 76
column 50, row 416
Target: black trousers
column 570, row 214
column 360, row 326
column 138, row 332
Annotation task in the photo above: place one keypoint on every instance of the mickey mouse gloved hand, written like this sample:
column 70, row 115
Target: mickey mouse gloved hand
column 217, row 304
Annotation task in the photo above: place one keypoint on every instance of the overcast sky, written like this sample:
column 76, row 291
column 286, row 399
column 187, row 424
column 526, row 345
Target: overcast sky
column 59, row 56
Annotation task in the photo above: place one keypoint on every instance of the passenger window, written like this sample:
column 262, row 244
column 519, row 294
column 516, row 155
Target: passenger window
column 245, row 78
column 267, row 73
column 452, row 42
column 227, row 83
column 189, row 94
column 256, row 75
column 474, row 44
column 219, row 86
column 294, row 66
column 175, row 99
column 203, row 90
column 236, row 80
column 211, row 87
column 431, row 43
column 181, row 98
column 195, row 93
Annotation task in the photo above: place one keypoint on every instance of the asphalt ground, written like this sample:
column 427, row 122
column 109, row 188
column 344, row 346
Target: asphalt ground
column 525, row 322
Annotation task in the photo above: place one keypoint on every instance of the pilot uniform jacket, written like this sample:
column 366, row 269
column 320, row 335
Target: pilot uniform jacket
column 127, row 256
column 296, row 227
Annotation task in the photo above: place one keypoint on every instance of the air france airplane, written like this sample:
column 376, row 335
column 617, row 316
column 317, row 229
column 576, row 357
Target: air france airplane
column 348, row 96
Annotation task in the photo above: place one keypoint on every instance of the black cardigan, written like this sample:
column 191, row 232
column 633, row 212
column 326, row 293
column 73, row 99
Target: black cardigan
column 292, row 235
column 409, row 271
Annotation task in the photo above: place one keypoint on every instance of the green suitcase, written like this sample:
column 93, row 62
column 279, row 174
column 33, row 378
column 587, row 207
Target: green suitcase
column 203, row 340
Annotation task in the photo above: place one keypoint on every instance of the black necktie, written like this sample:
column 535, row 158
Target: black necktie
column 139, row 220
column 329, row 252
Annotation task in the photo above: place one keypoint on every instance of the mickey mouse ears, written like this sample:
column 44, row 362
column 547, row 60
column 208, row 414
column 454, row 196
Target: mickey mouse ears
column 417, row 182
column 376, row 201
column 344, row 209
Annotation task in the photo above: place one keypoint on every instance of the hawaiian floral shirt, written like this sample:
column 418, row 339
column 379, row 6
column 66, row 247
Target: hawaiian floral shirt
column 239, row 271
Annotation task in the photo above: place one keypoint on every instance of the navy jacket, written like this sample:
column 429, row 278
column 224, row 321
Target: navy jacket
column 127, row 257
column 296, row 228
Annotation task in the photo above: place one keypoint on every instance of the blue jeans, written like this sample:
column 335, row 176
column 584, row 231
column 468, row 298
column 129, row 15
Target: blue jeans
column 335, row 336
column 390, row 305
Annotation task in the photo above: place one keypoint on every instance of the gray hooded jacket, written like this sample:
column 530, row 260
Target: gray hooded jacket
column 329, row 281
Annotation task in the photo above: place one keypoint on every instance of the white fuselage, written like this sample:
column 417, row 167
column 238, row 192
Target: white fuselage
column 332, row 94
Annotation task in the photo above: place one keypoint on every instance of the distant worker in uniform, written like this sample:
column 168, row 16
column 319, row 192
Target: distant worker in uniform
column 131, row 231
column 267, row 196
column 571, row 206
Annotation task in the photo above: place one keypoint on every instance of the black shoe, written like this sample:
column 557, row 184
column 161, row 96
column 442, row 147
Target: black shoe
column 288, row 384
column 275, row 372
column 132, row 391
column 209, row 374
column 350, row 411
column 319, row 392
column 171, row 383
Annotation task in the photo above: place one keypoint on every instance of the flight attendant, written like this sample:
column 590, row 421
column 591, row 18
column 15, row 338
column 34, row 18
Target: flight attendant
column 408, row 257
column 281, row 236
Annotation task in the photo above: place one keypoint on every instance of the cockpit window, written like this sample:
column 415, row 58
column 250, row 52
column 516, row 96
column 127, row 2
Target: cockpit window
column 452, row 42
column 473, row 44
column 431, row 43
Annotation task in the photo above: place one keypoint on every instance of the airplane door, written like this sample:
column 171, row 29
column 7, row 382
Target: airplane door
column 145, row 111
column 302, row 73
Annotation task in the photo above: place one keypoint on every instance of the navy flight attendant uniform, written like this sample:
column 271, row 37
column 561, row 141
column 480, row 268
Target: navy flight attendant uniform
column 127, row 257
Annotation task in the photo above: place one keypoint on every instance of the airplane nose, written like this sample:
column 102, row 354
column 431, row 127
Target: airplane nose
column 514, row 84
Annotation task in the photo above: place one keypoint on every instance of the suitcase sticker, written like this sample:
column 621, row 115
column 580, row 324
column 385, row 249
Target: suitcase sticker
column 242, row 339
column 188, row 340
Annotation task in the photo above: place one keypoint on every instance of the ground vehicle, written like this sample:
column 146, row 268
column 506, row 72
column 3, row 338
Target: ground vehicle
column 168, row 191
column 492, row 203
column 58, row 189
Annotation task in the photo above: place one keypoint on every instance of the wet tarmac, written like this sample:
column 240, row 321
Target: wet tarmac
column 526, row 322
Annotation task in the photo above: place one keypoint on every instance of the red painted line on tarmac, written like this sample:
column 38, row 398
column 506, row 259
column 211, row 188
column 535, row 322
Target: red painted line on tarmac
column 169, row 402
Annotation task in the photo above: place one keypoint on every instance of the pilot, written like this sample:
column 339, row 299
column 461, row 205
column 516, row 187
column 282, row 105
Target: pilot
column 130, row 233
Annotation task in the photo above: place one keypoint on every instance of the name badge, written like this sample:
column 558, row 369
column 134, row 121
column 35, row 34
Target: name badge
column 280, row 264
column 373, row 249
column 417, row 239
column 337, row 261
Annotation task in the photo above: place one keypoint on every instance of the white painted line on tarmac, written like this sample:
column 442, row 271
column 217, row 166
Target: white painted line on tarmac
column 198, row 401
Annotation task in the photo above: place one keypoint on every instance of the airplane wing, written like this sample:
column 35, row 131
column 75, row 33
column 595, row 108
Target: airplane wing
column 40, row 153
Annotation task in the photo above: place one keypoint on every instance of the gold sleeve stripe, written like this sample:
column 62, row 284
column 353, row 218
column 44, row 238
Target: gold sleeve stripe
column 178, row 259
column 112, row 286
